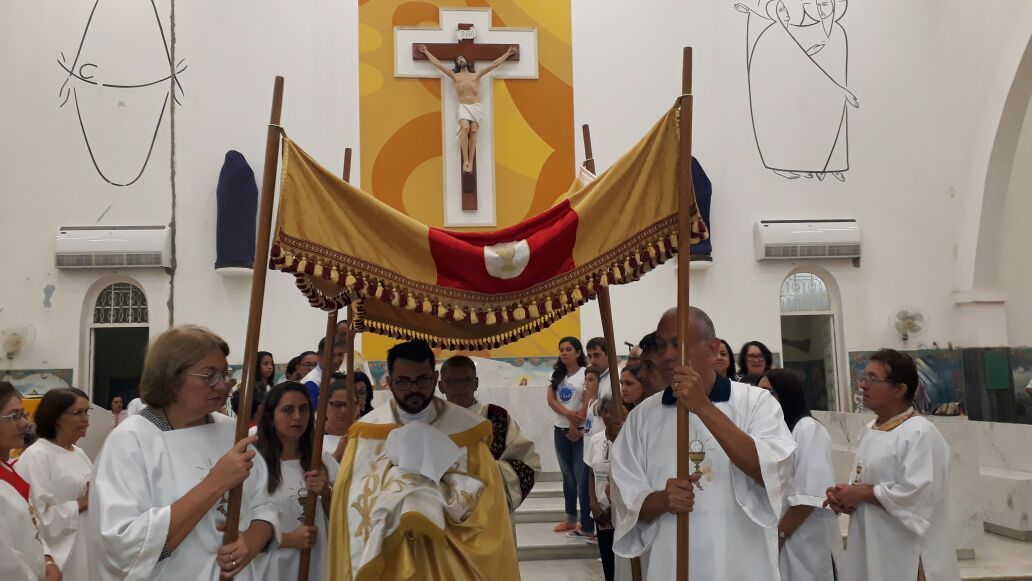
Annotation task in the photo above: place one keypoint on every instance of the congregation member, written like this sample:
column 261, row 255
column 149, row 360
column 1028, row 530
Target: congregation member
column 900, row 525
column 724, row 364
column 264, row 375
column 632, row 391
column 158, row 500
column 118, row 411
column 285, row 432
column 340, row 413
column 596, row 356
column 361, row 365
column 58, row 473
column 309, row 361
column 312, row 379
column 22, row 555
column 755, row 359
column 567, row 398
column 597, row 458
column 419, row 494
column 808, row 534
column 736, row 500
column 517, row 460
column 363, row 393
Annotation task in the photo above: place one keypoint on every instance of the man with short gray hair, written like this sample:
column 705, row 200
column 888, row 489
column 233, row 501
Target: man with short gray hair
column 735, row 497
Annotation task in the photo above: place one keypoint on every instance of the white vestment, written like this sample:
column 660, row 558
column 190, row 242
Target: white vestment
column 593, row 423
column 909, row 468
column 140, row 472
column 812, row 551
column 279, row 562
column 733, row 524
column 519, row 463
column 21, row 553
column 57, row 478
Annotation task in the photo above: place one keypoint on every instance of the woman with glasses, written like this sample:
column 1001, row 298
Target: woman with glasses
column 900, row 526
column 159, row 496
column 285, row 432
column 58, row 473
column 340, row 414
column 755, row 359
column 22, row 555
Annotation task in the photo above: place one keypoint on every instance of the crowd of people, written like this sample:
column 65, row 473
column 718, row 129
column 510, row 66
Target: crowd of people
column 415, row 488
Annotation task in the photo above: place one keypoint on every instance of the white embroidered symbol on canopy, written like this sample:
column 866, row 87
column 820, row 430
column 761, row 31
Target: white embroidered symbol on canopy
column 507, row 260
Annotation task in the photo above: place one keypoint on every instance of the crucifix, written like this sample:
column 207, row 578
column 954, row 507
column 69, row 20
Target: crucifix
column 466, row 80
column 465, row 36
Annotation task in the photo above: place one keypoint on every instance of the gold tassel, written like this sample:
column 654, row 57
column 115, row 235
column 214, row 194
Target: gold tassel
column 410, row 303
column 395, row 298
column 673, row 240
column 458, row 314
column 563, row 298
column 334, row 275
column 578, row 296
column 505, row 315
column 473, row 318
column 519, row 313
column 427, row 307
column 548, row 306
column 318, row 270
column 533, row 311
column 378, row 293
column 442, row 311
column 302, row 264
column 491, row 318
column 350, row 281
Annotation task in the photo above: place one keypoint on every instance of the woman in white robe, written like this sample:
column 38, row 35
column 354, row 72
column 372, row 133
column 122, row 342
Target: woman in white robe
column 285, row 433
column 159, row 495
column 58, row 473
column 22, row 555
column 341, row 412
column 897, row 494
column 808, row 534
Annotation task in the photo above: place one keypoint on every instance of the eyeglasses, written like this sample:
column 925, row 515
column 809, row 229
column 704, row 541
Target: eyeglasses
column 338, row 405
column 405, row 384
column 872, row 379
column 754, row 357
column 307, row 364
column 212, row 378
column 459, row 381
column 83, row 413
column 15, row 417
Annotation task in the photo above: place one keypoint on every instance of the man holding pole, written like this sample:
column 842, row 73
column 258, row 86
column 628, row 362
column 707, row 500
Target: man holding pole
column 742, row 454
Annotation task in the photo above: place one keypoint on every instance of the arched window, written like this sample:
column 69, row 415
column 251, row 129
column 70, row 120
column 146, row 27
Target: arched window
column 809, row 337
column 120, row 304
column 804, row 292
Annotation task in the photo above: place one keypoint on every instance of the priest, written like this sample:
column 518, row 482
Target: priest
column 514, row 452
column 736, row 495
column 418, row 495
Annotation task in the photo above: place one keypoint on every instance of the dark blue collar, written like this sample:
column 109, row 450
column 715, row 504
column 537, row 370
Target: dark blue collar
column 721, row 392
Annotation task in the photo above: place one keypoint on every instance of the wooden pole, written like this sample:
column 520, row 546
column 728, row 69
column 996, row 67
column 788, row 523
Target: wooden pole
column 605, row 307
column 326, row 359
column 254, row 317
column 686, row 193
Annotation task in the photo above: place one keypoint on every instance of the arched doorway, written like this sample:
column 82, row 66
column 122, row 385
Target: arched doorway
column 119, row 330
column 809, row 337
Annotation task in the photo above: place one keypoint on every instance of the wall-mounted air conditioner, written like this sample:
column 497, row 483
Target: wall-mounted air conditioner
column 801, row 239
column 113, row 247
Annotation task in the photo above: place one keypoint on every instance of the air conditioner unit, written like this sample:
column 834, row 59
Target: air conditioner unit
column 113, row 247
column 803, row 239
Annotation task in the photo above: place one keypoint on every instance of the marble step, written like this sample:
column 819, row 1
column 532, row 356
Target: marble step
column 541, row 510
column 547, row 489
column 537, row 542
column 549, row 477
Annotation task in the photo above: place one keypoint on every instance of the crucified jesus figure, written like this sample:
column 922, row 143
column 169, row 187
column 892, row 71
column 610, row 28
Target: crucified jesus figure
column 467, row 86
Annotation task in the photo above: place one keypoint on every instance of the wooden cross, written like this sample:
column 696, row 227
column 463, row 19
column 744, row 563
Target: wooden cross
column 473, row 52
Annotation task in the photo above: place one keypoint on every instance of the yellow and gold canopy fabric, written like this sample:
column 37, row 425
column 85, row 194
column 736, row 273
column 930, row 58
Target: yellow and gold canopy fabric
column 477, row 290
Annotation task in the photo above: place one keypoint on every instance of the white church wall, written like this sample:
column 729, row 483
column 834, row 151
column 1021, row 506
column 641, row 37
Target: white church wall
column 917, row 144
column 1016, row 242
column 930, row 78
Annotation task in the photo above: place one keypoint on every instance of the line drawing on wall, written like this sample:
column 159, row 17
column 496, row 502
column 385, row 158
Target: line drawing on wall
column 797, row 57
column 118, row 78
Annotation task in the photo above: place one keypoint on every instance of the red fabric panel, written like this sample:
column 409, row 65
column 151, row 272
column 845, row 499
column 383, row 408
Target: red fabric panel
column 459, row 256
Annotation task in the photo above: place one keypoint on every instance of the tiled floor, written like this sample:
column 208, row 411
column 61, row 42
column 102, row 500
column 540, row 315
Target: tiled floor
column 1001, row 559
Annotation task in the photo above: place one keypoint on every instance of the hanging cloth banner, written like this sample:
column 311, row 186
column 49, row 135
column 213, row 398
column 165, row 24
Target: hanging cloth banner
column 477, row 290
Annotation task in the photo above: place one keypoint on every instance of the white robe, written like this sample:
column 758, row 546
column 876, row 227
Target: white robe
column 57, row 478
column 139, row 474
column 816, row 546
column 21, row 553
column 909, row 468
column 733, row 525
column 593, row 423
column 279, row 562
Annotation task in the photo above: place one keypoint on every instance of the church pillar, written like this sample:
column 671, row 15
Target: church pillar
column 981, row 319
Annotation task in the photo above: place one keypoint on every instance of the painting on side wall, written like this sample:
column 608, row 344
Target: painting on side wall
column 797, row 67
column 1021, row 370
column 36, row 382
column 941, row 374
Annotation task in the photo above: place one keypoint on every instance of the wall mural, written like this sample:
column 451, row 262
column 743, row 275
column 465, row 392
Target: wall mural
column 797, row 63
column 106, row 77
